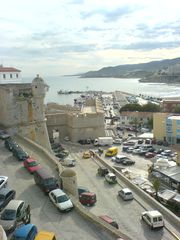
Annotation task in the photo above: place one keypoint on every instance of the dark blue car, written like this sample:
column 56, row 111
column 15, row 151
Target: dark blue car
column 25, row 232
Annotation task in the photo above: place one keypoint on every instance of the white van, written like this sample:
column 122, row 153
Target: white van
column 153, row 218
column 126, row 194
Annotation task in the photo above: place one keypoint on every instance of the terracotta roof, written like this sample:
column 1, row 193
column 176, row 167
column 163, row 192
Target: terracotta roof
column 9, row 69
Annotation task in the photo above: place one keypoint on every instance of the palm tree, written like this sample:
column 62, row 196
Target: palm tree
column 156, row 184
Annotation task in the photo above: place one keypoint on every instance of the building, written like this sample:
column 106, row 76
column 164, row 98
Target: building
column 141, row 118
column 9, row 75
column 166, row 126
column 88, row 122
column 169, row 176
column 159, row 125
column 22, row 110
column 169, row 104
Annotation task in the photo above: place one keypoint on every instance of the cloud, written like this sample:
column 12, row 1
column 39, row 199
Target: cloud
column 110, row 15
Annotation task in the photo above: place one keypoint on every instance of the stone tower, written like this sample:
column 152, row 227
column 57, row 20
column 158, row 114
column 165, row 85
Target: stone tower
column 69, row 181
column 23, row 110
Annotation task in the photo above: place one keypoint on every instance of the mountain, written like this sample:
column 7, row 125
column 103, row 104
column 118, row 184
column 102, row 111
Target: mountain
column 167, row 70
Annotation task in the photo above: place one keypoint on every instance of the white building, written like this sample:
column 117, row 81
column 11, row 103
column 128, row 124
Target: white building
column 9, row 75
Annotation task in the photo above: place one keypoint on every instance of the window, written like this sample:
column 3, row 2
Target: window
column 155, row 219
column 17, row 75
column 4, row 76
column 10, row 75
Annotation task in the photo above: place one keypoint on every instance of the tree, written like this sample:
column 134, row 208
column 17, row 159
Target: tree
column 156, row 184
column 131, row 107
column 151, row 107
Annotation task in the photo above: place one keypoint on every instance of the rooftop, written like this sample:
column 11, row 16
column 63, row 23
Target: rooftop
column 172, row 172
column 8, row 69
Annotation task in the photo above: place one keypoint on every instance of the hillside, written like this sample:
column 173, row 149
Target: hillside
column 167, row 70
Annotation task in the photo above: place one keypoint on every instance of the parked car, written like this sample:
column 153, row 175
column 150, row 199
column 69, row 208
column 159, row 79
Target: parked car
column 129, row 143
column 153, row 218
column 150, row 155
column 31, row 165
column 68, row 162
column 3, row 181
column 43, row 235
column 130, row 150
column 9, row 143
column 102, row 171
column 19, row 153
column 60, row 200
column 117, row 141
column 111, row 178
column 128, row 162
column 17, row 211
column 86, row 154
column 126, row 194
column 120, row 158
column 45, row 180
column 62, row 154
column 57, row 146
column 6, row 195
column 109, row 220
column 88, row 198
column 25, row 232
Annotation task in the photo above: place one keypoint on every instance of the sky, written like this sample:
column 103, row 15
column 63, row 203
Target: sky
column 60, row 37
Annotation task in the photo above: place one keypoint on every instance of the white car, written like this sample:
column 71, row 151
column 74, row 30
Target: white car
column 68, row 162
column 126, row 194
column 60, row 200
column 153, row 218
column 111, row 178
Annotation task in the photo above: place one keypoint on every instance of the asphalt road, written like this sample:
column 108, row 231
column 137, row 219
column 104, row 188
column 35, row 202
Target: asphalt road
column 67, row 226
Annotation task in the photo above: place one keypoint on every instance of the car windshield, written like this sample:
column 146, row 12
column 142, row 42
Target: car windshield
column 8, row 214
column 62, row 198
column 32, row 164
column 17, row 238
column 1, row 181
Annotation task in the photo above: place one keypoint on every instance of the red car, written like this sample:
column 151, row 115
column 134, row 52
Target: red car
column 87, row 198
column 31, row 165
column 150, row 155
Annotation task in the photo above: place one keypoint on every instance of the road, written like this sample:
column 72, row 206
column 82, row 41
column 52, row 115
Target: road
column 45, row 216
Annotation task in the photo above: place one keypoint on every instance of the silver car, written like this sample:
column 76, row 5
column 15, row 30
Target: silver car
column 17, row 211
column 60, row 200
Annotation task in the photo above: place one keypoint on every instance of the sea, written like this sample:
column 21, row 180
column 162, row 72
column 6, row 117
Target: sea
column 129, row 85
